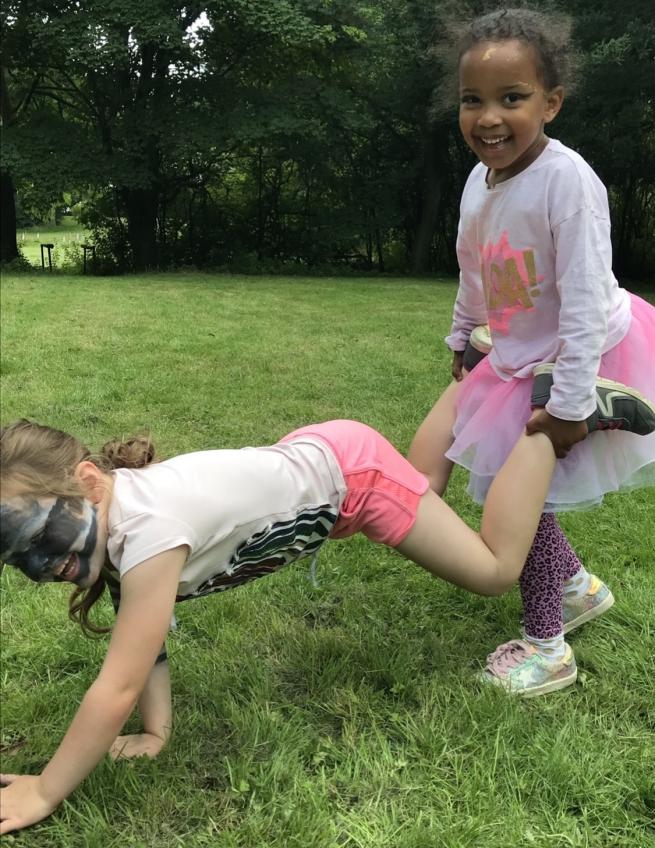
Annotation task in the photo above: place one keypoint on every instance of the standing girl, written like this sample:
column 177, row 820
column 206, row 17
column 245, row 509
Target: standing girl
column 534, row 252
column 205, row 522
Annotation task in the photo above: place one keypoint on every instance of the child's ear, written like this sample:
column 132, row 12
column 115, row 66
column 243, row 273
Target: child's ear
column 91, row 479
column 554, row 100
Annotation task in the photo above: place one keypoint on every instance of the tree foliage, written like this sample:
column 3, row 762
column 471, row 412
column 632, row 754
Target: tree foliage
column 253, row 133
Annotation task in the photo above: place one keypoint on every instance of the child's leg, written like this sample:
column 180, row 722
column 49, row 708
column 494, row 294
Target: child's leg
column 558, row 595
column 557, row 591
column 542, row 579
column 489, row 563
column 542, row 662
column 427, row 453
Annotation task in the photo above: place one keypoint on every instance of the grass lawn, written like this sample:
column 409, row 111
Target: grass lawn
column 346, row 714
column 64, row 235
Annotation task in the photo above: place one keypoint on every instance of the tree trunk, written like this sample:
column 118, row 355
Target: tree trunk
column 432, row 188
column 380, row 249
column 141, row 209
column 260, row 202
column 369, row 251
column 8, row 245
column 623, row 233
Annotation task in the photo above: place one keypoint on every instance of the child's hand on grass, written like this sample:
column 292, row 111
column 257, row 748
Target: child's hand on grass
column 22, row 802
column 136, row 745
column 563, row 434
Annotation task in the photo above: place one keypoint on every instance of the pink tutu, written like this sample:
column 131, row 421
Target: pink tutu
column 492, row 413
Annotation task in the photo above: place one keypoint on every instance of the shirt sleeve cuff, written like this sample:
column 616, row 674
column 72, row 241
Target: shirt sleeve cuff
column 567, row 413
column 456, row 341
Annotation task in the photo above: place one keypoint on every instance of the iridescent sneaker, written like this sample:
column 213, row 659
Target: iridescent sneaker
column 594, row 603
column 519, row 668
column 618, row 407
column 477, row 347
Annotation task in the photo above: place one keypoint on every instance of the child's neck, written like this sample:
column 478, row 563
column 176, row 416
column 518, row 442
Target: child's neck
column 493, row 176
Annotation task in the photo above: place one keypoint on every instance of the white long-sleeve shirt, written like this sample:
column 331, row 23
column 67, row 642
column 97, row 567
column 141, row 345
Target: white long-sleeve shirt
column 535, row 262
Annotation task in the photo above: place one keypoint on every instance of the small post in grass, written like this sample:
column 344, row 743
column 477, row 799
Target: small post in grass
column 92, row 249
column 48, row 248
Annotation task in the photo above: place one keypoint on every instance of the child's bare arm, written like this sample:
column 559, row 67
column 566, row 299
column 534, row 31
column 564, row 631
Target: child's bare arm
column 154, row 703
column 147, row 604
column 156, row 713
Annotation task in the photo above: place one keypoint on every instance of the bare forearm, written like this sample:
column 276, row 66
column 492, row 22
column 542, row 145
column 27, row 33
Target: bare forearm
column 100, row 717
column 155, row 702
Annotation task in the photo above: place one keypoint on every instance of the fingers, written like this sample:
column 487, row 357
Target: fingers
column 117, row 750
column 531, row 428
column 7, row 825
column 535, row 424
column 135, row 745
column 457, row 365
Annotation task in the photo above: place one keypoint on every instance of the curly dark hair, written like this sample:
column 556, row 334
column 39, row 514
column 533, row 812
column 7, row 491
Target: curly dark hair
column 547, row 33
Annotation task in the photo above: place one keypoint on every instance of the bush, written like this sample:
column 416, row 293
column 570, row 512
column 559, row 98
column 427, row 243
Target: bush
column 20, row 265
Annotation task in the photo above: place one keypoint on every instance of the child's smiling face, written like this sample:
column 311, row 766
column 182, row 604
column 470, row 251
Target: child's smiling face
column 52, row 538
column 504, row 106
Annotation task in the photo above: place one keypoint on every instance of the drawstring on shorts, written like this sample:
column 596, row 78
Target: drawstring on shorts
column 312, row 571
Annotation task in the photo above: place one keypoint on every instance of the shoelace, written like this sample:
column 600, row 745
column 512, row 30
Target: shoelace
column 614, row 424
column 312, row 571
column 506, row 657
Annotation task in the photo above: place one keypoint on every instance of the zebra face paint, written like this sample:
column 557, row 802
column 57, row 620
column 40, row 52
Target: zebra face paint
column 51, row 539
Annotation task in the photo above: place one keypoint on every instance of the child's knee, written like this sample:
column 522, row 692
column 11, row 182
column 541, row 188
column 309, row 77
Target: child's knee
column 438, row 482
column 501, row 587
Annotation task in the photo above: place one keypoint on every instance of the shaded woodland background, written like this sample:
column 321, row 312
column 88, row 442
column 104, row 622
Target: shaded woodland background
column 266, row 134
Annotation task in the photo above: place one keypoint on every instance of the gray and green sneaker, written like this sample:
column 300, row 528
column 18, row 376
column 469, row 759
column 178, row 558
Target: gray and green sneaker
column 477, row 347
column 618, row 407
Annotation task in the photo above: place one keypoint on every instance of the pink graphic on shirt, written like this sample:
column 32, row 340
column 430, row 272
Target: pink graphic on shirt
column 510, row 281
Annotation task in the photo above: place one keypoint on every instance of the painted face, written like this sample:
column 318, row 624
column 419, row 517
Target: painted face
column 51, row 539
column 504, row 106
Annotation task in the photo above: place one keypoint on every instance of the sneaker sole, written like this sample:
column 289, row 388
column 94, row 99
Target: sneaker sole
column 534, row 692
column 611, row 385
column 590, row 614
column 481, row 341
column 550, row 686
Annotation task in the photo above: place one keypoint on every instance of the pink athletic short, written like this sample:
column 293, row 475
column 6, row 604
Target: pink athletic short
column 383, row 489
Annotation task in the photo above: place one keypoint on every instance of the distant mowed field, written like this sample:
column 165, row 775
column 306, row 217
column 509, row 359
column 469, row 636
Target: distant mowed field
column 65, row 235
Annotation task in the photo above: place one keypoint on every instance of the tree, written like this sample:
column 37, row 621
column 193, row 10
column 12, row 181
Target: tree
column 288, row 130
column 8, row 244
column 17, row 89
column 611, row 120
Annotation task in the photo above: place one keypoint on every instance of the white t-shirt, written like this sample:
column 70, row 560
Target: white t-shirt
column 242, row 513
column 535, row 261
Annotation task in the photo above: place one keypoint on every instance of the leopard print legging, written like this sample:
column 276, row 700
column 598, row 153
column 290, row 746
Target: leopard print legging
column 550, row 562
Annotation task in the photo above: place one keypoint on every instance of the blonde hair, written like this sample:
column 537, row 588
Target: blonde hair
column 41, row 461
